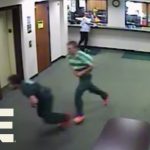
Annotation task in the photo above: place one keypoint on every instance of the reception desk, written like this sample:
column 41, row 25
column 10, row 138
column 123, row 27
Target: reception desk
column 137, row 39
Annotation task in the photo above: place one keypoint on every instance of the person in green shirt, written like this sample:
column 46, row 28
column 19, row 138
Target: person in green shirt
column 41, row 98
column 82, row 65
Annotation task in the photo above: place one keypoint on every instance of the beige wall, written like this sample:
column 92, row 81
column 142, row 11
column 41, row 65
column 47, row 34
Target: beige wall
column 58, row 28
column 7, row 59
column 116, row 15
column 58, row 48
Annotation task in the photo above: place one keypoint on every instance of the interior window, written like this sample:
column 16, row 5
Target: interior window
column 136, row 14
column 148, row 14
column 96, row 9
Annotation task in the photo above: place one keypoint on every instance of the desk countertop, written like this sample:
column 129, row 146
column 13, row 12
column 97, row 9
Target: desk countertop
column 142, row 29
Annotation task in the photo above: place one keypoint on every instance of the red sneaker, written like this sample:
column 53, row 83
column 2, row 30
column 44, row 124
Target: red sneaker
column 79, row 119
column 66, row 124
column 106, row 101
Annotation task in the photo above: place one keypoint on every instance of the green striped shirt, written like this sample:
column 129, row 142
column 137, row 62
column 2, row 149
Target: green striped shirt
column 80, row 61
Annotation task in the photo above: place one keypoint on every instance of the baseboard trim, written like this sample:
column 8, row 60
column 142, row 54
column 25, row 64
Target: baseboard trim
column 61, row 57
column 117, row 49
column 34, row 76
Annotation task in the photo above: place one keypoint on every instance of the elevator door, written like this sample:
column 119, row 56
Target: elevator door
column 6, row 50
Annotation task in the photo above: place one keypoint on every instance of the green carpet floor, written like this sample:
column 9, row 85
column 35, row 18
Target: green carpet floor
column 92, row 50
column 126, row 81
column 137, row 55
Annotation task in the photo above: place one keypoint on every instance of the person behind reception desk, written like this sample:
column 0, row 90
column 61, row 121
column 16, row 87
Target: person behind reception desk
column 95, row 10
column 84, row 31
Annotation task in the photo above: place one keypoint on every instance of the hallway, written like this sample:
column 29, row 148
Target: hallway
column 124, row 79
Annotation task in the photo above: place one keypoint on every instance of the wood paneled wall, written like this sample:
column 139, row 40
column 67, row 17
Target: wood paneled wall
column 98, row 4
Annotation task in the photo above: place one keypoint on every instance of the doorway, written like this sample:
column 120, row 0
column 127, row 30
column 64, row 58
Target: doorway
column 10, row 44
column 42, row 35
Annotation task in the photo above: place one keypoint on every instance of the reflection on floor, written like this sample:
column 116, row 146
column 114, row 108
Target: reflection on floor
column 126, row 80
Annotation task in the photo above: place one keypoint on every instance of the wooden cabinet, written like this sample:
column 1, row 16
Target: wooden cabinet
column 98, row 4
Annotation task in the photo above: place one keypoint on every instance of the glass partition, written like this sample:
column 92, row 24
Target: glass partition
column 97, row 10
column 136, row 14
column 149, row 15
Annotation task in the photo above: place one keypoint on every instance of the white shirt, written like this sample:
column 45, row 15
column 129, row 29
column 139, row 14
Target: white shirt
column 85, row 25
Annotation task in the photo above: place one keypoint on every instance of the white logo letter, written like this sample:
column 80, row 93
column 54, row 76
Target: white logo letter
column 6, row 138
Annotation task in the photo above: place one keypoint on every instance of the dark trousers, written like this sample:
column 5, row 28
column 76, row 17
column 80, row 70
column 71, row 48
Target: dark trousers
column 55, row 118
column 85, row 84
column 45, row 110
column 84, row 38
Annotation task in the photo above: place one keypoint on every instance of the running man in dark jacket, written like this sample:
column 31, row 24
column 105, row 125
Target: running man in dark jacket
column 41, row 98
